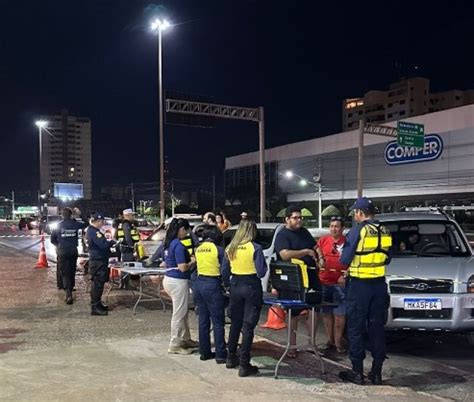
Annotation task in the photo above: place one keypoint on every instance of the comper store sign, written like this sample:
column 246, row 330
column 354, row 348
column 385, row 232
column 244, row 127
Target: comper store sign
column 396, row 154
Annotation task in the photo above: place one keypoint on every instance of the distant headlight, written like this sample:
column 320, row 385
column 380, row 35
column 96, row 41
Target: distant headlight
column 53, row 225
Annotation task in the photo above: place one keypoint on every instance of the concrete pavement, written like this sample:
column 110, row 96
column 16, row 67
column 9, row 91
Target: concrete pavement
column 51, row 351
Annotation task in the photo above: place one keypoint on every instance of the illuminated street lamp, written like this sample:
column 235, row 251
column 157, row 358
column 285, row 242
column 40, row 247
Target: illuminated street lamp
column 303, row 183
column 41, row 124
column 159, row 26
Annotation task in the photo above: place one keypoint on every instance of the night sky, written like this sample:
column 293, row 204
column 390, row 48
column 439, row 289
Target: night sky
column 298, row 59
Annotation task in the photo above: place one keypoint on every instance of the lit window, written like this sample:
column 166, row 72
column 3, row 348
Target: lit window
column 71, row 169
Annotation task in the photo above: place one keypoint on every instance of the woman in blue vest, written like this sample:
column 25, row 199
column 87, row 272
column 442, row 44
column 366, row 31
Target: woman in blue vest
column 247, row 266
column 176, row 284
column 212, row 274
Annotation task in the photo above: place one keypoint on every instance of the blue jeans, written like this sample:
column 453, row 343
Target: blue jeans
column 209, row 299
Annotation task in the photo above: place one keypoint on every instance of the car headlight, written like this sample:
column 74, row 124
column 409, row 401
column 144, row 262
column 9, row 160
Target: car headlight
column 53, row 225
column 470, row 285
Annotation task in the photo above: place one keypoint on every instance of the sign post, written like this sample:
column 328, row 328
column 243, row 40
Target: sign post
column 410, row 134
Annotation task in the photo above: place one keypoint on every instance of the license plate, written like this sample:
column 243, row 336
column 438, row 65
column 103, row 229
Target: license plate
column 422, row 304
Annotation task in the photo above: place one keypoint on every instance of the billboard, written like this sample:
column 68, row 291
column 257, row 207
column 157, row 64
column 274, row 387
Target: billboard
column 68, row 191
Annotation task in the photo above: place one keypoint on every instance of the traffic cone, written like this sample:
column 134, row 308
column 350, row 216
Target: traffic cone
column 275, row 318
column 42, row 260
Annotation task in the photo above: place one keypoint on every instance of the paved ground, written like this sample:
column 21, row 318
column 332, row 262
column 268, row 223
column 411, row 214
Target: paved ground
column 51, row 351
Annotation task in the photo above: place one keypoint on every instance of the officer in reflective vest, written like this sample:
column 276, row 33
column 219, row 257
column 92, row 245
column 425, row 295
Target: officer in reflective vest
column 128, row 236
column 366, row 251
column 212, row 275
column 247, row 267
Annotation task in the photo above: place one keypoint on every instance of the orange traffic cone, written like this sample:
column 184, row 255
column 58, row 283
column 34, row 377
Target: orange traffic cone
column 275, row 319
column 42, row 260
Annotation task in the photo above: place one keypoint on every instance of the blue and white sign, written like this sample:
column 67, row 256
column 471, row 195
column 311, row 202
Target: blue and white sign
column 396, row 154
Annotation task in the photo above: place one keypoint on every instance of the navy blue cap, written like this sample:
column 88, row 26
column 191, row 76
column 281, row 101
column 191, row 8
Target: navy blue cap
column 364, row 204
column 97, row 216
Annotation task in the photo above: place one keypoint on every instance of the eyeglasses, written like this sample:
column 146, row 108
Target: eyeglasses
column 297, row 218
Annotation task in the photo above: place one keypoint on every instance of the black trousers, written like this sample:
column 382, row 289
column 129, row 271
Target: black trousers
column 99, row 272
column 66, row 269
column 246, row 298
column 367, row 302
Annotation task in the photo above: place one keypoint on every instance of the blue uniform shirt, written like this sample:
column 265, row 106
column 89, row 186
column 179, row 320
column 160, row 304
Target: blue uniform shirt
column 99, row 246
column 176, row 254
column 65, row 236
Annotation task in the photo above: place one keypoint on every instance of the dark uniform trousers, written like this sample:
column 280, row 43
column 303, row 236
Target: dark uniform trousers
column 66, row 269
column 246, row 298
column 99, row 272
column 209, row 299
column 366, row 311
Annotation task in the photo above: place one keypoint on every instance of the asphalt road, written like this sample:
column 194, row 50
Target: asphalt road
column 440, row 364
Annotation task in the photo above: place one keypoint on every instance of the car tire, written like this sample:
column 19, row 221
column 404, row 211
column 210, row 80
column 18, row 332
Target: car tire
column 470, row 338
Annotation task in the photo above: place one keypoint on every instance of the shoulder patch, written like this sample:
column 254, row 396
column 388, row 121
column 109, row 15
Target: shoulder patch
column 99, row 235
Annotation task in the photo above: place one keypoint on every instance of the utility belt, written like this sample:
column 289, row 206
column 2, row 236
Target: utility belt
column 209, row 276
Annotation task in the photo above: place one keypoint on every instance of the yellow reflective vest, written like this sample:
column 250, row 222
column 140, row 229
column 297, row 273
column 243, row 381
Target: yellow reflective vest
column 243, row 263
column 188, row 243
column 372, row 252
column 133, row 232
column 207, row 259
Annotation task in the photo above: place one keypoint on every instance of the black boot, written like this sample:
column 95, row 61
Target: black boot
column 246, row 370
column 232, row 361
column 96, row 310
column 69, row 299
column 352, row 376
column 104, row 306
column 375, row 377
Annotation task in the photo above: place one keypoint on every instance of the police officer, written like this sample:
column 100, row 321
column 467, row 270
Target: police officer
column 128, row 236
column 99, row 253
column 366, row 251
column 212, row 274
column 65, row 238
column 247, row 265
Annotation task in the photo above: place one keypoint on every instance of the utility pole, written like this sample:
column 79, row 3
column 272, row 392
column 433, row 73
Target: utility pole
column 360, row 159
column 261, row 154
column 320, row 196
column 374, row 129
column 214, row 192
column 133, row 197
column 172, row 197
column 13, row 204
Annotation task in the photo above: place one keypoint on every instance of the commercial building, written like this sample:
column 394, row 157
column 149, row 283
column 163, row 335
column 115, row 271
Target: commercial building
column 65, row 153
column 406, row 98
column 442, row 172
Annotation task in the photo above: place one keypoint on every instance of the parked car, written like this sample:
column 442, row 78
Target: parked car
column 49, row 223
column 431, row 275
column 145, row 228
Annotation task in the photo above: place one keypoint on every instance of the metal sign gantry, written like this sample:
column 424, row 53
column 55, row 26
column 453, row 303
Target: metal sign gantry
column 229, row 112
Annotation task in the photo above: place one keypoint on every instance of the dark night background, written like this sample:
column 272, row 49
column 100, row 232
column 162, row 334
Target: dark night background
column 298, row 59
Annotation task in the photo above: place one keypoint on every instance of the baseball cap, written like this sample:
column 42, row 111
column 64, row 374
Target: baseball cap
column 97, row 216
column 364, row 204
column 128, row 211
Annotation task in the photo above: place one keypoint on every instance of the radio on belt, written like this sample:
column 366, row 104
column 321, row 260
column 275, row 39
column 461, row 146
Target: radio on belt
column 287, row 278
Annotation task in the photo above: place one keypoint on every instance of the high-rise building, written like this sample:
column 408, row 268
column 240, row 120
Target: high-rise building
column 65, row 152
column 405, row 98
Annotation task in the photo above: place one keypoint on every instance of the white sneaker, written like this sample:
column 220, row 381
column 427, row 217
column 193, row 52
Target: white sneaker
column 179, row 351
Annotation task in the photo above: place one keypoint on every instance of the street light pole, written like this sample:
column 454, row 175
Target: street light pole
column 160, row 106
column 159, row 26
column 261, row 154
column 40, row 124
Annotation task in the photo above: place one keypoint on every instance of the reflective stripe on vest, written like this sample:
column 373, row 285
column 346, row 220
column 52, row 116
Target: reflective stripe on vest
column 188, row 243
column 207, row 258
column 133, row 232
column 243, row 263
column 372, row 252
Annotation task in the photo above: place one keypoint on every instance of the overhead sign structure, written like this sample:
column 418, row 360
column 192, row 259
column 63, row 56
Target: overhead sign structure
column 410, row 134
column 68, row 191
column 396, row 154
